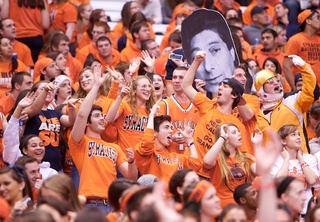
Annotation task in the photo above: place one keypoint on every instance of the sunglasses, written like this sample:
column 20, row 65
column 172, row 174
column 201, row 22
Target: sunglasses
column 273, row 80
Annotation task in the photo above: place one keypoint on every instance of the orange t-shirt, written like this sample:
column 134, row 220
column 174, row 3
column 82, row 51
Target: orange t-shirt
column 114, row 61
column 160, row 162
column 129, row 52
column 130, row 131
column 306, row 47
column 28, row 21
column 6, row 104
column 224, row 191
column 5, row 78
column 23, row 52
column 210, row 119
column 96, row 161
column 61, row 15
column 182, row 115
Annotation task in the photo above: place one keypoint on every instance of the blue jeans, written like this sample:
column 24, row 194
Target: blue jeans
column 105, row 208
column 75, row 176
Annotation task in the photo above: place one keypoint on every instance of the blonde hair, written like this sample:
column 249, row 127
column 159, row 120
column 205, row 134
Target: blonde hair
column 81, row 93
column 225, row 153
column 131, row 98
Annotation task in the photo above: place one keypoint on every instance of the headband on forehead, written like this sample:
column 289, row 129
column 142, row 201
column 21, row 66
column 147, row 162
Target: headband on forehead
column 198, row 192
column 17, row 169
column 125, row 200
column 284, row 185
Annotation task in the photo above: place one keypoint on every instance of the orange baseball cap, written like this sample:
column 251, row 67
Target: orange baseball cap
column 304, row 15
column 40, row 65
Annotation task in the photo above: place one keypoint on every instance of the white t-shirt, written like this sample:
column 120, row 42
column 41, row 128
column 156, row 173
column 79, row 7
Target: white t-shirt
column 295, row 170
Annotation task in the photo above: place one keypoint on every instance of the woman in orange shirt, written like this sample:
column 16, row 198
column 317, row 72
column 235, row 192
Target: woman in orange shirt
column 130, row 113
column 8, row 65
column 227, row 166
column 63, row 16
column 31, row 19
column 84, row 12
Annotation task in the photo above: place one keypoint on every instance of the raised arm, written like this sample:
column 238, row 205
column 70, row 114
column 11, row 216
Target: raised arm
column 209, row 160
column 265, row 158
column 45, row 19
column 38, row 103
column 11, row 135
column 129, row 169
column 245, row 112
column 287, row 65
column 68, row 120
column 70, row 28
column 187, row 133
column 189, row 77
column 85, row 107
column 4, row 13
column 113, row 113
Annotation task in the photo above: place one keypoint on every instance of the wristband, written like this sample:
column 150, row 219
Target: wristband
column 131, row 162
column 223, row 138
column 303, row 164
column 190, row 144
column 265, row 186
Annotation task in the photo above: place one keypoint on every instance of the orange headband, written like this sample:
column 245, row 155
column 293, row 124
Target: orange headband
column 125, row 200
column 198, row 192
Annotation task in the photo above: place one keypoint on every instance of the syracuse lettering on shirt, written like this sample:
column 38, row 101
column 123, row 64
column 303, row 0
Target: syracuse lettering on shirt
column 130, row 124
column 49, row 131
column 96, row 149
column 166, row 160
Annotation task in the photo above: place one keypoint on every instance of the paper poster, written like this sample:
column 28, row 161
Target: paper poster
column 207, row 30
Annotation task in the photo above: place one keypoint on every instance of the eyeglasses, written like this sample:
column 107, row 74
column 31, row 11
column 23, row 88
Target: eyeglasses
column 273, row 80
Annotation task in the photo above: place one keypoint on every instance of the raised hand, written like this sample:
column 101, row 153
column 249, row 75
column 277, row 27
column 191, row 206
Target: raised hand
column 223, row 131
column 130, row 155
column 266, row 155
column 134, row 64
column 200, row 56
column 297, row 60
column 187, row 132
column 117, row 76
column 27, row 100
column 99, row 77
column 72, row 101
column 51, row 87
column 178, row 138
column 155, row 109
column 148, row 60
column 124, row 91
column 256, row 137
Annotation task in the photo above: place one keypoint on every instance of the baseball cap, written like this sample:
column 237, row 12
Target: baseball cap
column 262, row 77
column 41, row 64
column 297, row 78
column 304, row 15
column 257, row 10
column 235, row 84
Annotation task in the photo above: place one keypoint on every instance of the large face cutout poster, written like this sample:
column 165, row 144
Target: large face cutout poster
column 207, row 30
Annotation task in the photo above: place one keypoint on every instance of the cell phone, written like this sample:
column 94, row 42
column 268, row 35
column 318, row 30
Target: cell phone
column 175, row 56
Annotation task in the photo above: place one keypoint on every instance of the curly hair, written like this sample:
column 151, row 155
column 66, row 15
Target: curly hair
column 131, row 98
